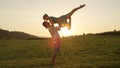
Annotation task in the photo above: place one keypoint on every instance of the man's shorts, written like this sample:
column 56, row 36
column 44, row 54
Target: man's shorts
column 57, row 45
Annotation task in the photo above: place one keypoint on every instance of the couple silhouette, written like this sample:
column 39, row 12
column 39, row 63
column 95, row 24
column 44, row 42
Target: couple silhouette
column 62, row 21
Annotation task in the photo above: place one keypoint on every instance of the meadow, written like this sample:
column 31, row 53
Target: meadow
column 88, row 51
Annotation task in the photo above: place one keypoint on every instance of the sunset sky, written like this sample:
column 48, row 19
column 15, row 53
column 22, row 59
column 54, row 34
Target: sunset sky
column 26, row 15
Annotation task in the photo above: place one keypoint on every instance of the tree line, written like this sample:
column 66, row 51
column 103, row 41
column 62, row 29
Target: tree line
column 115, row 32
column 5, row 34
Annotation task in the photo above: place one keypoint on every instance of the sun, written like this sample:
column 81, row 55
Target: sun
column 65, row 32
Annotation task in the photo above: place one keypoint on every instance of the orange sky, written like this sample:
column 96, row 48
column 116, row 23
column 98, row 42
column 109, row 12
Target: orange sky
column 26, row 15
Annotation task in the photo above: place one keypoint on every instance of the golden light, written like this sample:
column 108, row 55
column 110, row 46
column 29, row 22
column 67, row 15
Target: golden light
column 65, row 32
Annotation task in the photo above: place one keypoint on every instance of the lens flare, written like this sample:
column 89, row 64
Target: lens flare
column 65, row 32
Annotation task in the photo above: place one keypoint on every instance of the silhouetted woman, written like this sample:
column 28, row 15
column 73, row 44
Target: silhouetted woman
column 62, row 20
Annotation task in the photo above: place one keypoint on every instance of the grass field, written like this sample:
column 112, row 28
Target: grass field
column 76, row 52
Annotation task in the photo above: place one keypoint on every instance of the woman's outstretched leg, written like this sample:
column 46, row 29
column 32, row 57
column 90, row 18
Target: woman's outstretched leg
column 74, row 10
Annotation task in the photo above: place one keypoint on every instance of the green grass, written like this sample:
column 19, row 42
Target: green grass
column 76, row 52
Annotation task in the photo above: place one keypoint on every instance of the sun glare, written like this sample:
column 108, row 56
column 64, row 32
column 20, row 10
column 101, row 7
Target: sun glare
column 65, row 32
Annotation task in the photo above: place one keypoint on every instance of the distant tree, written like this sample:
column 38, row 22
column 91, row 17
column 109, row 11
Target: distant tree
column 83, row 34
column 114, row 30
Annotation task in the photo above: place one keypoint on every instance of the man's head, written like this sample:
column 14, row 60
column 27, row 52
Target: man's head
column 46, row 24
column 45, row 17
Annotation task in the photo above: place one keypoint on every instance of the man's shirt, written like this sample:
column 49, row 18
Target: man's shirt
column 54, row 31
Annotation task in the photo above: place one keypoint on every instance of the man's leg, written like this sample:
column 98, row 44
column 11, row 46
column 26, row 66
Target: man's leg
column 53, row 58
column 56, row 51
